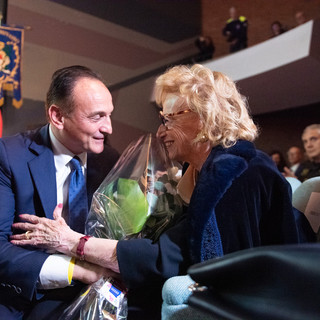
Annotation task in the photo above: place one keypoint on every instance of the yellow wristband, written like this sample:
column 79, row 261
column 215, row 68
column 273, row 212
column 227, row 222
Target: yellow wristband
column 70, row 269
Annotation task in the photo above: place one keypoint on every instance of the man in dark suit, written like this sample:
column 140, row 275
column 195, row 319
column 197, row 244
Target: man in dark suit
column 35, row 172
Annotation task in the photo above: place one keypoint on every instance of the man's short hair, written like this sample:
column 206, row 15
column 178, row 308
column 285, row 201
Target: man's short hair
column 62, row 84
column 315, row 126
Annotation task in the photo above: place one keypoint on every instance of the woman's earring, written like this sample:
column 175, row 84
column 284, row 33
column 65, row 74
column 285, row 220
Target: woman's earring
column 202, row 137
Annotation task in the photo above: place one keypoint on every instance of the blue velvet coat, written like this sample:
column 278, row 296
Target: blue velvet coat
column 240, row 201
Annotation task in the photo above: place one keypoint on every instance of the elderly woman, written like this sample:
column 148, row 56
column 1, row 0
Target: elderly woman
column 235, row 196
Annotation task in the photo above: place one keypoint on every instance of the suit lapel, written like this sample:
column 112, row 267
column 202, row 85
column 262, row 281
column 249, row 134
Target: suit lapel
column 42, row 170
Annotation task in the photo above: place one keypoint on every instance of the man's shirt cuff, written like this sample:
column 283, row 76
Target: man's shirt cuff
column 54, row 272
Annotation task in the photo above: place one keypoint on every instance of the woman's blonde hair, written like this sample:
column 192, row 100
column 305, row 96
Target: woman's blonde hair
column 222, row 109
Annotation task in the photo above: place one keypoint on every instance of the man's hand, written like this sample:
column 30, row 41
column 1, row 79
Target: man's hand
column 89, row 273
column 288, row 173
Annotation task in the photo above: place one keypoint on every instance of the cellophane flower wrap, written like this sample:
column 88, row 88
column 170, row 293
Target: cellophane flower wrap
column 137, row 199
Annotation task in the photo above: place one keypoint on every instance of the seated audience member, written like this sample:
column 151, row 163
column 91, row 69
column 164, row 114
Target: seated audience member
column 277, row 28
column 235, row 196
column 35, row 170
column 311, row 143
column 206, row 48
column 300, row 18
column 295, row 158
column 278, row 159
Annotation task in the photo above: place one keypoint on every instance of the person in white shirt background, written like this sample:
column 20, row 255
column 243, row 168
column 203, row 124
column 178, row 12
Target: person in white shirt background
column 295, row 157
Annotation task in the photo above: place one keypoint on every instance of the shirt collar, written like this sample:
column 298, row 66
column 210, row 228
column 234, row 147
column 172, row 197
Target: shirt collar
column 62, row 155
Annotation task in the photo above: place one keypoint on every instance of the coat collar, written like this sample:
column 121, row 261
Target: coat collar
column 221, row 168
column 40, row 141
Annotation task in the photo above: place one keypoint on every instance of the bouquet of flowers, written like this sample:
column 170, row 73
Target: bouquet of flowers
column 138, row 198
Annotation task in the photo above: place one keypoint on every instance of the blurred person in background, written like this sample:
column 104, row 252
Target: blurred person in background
column 295, row 158
column 236, row 30
column 277, row 28
column 311, row 143
column 206, row 48
column 278, row 159
column 300, row 18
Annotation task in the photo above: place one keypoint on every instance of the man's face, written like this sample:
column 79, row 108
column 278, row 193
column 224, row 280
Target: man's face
column 311, row 143
column 233, row 13
column 84, row 129
column 295, row 155
column 300, row 18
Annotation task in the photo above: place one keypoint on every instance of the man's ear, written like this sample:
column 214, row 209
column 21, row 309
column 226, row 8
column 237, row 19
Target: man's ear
column 56, row 116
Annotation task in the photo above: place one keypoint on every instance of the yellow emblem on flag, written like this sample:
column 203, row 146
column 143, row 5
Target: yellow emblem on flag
column 11, row 43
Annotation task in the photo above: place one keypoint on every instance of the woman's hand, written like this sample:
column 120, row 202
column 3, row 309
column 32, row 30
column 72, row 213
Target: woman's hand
column 46, row 233
column 56, row 235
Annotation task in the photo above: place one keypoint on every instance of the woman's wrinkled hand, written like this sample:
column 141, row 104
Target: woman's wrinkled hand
column 54, row 235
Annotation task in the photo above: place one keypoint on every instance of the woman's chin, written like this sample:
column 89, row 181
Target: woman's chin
column 170, row 154
column 173, row 156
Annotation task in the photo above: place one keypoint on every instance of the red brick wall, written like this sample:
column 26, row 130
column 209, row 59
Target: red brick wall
column 260, row 15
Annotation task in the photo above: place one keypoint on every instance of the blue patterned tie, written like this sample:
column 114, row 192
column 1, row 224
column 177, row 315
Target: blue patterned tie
column 78, row 201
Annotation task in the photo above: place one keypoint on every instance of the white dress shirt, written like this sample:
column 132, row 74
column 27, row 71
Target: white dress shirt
column 294, row 167
column 54, row 271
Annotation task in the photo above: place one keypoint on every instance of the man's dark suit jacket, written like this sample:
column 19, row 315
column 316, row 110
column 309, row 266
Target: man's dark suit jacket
column 28, row 185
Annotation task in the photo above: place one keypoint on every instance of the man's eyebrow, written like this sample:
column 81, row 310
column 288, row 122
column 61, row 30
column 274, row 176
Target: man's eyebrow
column 94, row 113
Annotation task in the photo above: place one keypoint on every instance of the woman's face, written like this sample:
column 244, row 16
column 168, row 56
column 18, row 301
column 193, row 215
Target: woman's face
column 276, row 158
column 181, row 126
column 275, row 28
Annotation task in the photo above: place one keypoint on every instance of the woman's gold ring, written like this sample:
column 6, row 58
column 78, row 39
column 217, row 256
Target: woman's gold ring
column 28, row 234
